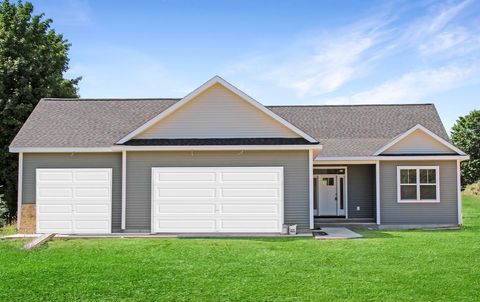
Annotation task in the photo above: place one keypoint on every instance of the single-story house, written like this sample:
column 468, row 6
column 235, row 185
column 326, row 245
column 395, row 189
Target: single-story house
column 219, row 161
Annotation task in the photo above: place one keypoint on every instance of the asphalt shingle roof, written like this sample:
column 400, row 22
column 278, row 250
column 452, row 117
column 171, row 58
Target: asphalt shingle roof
column 360, row 130
column 342, row 130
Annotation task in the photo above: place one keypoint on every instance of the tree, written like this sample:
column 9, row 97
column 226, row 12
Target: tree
column 33, row 60
column 466, row 136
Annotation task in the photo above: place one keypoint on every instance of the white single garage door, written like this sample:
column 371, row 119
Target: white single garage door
column 234, row 199
column 74, row 201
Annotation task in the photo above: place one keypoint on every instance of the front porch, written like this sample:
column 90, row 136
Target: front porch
column 352, row 223
column 344, row 195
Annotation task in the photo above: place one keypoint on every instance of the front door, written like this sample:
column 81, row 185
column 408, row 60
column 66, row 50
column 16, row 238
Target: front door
column 330, row 195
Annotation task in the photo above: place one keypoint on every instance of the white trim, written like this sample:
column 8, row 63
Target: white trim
column 152, row 206
column 223, row 147
column 345, row 193
column 310, row 188
column 59, row 149
column 167, row 148
column 389, row 158
column 459, row 193
column 124, row 189
column 418, row 184
column 19, row 188
column 202, row 88
column 377, row 190
column 340, row 162
column 425, row 130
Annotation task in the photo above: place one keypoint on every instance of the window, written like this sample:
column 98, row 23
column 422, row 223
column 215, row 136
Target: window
column 328, row 181
column 418, row 184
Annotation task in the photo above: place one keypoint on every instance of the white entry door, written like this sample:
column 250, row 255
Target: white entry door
column 331, row 195
column 217, row 199
column 74, row 201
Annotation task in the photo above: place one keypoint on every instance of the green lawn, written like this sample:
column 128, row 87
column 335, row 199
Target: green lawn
column 384, row 266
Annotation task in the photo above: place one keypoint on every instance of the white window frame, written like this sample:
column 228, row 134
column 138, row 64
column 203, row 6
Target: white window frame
column 418, row 184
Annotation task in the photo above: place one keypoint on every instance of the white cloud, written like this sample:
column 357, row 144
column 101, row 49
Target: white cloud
column 413, row 86
column 327, row 69
column 445, row 16
column 322, row 62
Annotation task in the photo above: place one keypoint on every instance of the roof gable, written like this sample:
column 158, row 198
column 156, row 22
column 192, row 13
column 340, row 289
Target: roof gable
column 418, row 140
column 216, row 109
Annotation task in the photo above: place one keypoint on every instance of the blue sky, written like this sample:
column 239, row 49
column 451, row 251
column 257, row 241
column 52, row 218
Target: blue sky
column 279, row 52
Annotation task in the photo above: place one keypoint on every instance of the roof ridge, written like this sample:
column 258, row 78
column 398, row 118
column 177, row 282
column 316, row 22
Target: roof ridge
column 356, row 105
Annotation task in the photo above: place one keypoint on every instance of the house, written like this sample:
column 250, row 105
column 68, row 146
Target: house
column 219, row 161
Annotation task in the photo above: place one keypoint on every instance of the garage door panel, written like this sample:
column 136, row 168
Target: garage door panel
column 55, row 176
column 250, row 192
column 185, row 177
column 217, row 199
column 55, row 192
column 55, row 209
column 241, row 225
column 92, row 192
column 93, row 209
column 185, row 208
column 82, row 205
column 191, row 225
column 55, row 225
column 227, row 177
column 92, row 226
column 249, row 208
column 92, row 176
column 185, row 192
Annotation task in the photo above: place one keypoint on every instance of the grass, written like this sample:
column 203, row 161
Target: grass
column 8, row 229
column 384, row 266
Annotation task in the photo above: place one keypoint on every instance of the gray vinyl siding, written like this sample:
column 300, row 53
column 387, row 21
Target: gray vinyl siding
column 139, row 169
column 361, row 191
column 444, row 212
column 32, row 161
column 217, row 112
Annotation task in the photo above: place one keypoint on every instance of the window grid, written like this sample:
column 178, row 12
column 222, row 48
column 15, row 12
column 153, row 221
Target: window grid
column 418, row 177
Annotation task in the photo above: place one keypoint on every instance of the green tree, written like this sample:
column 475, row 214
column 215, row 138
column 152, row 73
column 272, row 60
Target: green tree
column 466, row 136
column 33, row 60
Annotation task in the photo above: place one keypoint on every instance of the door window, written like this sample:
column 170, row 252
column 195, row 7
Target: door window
column 341, row 194
column 328, row 181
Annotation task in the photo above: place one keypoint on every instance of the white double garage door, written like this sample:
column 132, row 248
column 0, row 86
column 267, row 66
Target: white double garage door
column 184, row 199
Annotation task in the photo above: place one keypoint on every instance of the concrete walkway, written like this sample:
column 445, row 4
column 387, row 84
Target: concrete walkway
column 335, row 234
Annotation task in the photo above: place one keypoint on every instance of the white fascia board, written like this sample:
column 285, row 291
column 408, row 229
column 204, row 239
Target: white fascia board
column 207, row 148
column 426, row 131
column 121, row 148
column 202, row 88
column 350, row 162
column 390, row 158
column 59, row 149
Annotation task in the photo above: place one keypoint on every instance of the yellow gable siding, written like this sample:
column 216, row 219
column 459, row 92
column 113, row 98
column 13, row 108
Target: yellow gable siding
column 217, row 113
column 418, row 142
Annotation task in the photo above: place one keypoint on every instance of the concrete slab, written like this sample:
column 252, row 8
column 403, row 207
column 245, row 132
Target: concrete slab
column 335, row 234
column 21, row 236
column 162, row 235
